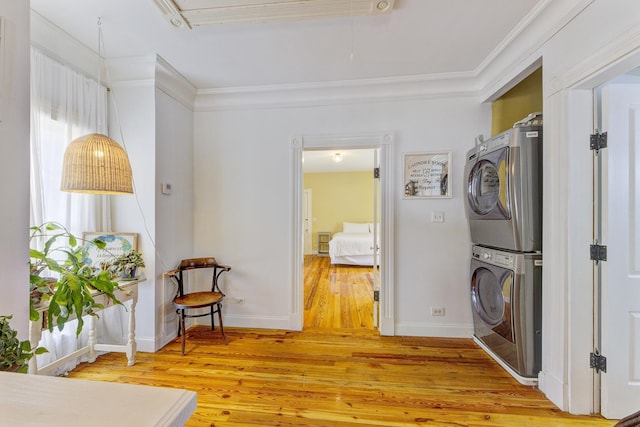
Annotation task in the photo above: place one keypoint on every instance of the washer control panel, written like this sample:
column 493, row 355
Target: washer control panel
column 494, row 256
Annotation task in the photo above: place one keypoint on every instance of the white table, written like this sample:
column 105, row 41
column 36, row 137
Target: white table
column 38, row 400
column 128, row 292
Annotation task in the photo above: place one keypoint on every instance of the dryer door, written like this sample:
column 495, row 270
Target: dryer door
column 487, row 186
column 491, row 291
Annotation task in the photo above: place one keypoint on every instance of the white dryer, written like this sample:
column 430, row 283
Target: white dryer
column 506, row 301
column 503, row 178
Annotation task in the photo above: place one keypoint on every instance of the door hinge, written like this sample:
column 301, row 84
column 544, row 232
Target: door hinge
column 376, row 295
column 598, row 141
column 598, row 362
column 598, row 252
column 376, row 173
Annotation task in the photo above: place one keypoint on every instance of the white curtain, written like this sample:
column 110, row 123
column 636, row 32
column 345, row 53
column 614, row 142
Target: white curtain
column 65, row 105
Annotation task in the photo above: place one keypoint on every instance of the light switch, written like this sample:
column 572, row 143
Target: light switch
column 437, row 216
column 167, row 188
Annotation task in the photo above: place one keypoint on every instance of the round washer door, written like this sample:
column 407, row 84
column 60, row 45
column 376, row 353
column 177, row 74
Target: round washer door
column 491, row 299
column 487, row 186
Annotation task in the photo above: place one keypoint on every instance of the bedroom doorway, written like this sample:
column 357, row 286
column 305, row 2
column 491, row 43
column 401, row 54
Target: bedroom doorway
column 304, row 148
column 341, row 273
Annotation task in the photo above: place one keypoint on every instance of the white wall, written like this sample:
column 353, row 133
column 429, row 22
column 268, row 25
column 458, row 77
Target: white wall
column 243, row 182
column 14, row 157
column 134, row 128
column 174, row 213
column 156, row 119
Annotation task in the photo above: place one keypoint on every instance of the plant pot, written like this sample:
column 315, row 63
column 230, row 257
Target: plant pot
column 131, row 275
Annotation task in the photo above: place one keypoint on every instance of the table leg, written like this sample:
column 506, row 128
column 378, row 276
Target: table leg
column 131, row 344
column 92, row 339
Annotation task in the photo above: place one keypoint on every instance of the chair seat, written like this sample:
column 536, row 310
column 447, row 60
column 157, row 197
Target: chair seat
column 198, row 299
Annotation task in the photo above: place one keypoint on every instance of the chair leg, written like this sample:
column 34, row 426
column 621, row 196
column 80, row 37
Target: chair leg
column 184, row 332
column 213, row 326
column 224, row 338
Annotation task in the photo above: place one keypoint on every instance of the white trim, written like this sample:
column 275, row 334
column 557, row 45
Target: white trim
column 572, row 389
column 443, row 330
column 384, row 142
column 337, row 92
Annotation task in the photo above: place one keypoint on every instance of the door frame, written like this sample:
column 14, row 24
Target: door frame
column 307, row 243
column 384, row 142
column 573, row 107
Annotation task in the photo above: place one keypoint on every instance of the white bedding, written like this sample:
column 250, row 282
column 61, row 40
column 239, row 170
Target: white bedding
column 345, row 248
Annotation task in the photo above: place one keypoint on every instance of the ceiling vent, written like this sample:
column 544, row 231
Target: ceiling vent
column 197, row 13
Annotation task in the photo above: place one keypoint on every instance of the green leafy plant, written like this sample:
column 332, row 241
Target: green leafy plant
column 14, row 354
column 125, row 265
column 62, row 254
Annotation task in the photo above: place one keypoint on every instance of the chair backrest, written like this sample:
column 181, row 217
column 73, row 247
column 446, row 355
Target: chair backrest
column 191, row 263
column 200, row 263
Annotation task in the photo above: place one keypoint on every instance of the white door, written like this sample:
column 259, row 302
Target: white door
column 307, row 222
column 620, row 297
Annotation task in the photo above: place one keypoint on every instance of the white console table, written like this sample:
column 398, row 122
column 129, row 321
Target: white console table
column 128, row 292
column 38, row 400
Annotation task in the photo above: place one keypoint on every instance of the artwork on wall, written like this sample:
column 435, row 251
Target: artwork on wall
column 117, row 244
column 427, row 175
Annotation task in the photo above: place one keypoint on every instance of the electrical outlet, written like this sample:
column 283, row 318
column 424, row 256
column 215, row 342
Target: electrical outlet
column 437, row 311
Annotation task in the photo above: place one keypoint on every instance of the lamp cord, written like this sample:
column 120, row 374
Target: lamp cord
column 133, row 181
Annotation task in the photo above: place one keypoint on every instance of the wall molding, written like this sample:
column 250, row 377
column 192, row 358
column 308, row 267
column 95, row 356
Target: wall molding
column 444, row 330
column 337, row 92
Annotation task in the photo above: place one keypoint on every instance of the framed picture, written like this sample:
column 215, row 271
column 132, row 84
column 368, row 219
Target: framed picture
column 427, row 175
column 117, row 244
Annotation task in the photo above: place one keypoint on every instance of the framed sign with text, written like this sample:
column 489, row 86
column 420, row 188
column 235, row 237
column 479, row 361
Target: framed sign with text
column 117, row 244
column 427, row 175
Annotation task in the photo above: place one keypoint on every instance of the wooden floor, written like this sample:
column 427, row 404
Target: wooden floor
column 332, row 376
column 337, row 296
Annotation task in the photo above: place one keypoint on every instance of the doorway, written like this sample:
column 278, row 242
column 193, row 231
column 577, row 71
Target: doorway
column 383, row 144
column 341, row 273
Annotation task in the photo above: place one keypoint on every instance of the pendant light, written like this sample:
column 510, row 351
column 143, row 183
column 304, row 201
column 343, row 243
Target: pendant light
column 95, row 163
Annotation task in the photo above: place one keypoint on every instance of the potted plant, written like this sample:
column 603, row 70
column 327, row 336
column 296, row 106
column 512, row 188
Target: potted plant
column 14, row 354
column 125, row 265
column 62, row 256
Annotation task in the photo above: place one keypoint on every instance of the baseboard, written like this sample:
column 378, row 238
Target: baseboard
column 553, row 388
column 440, row 330
column 147, row 344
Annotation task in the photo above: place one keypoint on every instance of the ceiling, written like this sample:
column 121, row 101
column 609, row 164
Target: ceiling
column 412, row 38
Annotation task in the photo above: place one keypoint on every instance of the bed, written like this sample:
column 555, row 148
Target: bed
column 353, row 245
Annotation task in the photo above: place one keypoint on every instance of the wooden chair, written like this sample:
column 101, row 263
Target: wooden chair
column 193, row 300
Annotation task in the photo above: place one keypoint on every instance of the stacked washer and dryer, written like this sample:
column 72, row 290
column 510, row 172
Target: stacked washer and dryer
column 503, row 202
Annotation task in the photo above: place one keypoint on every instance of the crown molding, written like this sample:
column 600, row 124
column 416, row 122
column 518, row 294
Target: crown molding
column 337, row 92
column 51, row 40
column 514, row 58
column 143, row 70
column 523, row 53
column 174, row 84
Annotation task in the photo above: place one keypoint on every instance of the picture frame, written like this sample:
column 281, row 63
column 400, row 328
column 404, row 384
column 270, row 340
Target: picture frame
column 427, row 175
column 117, row 244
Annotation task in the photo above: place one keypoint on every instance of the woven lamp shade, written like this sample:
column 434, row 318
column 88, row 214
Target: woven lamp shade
column 96, row 164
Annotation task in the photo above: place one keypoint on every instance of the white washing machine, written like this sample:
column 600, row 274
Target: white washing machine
column 506, row 299
column 503, row 178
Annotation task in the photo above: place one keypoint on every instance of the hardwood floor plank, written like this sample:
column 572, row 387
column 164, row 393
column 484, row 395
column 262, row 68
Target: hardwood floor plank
column 337, row 378
column 338, row 372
